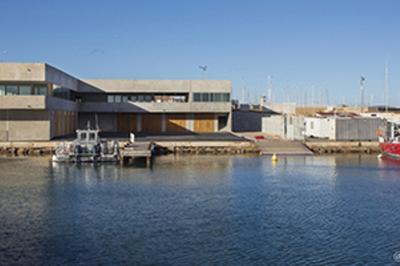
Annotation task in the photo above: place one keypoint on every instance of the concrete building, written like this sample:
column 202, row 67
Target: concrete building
column 343, row 128
column 41, row 102
column 285, row 126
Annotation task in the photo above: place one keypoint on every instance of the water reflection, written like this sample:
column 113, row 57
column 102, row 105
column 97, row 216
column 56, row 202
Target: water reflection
column 203, row 209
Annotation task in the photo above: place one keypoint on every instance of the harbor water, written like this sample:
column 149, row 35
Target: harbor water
column 193, row 210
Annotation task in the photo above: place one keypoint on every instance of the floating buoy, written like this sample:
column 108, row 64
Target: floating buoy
column 274, row 158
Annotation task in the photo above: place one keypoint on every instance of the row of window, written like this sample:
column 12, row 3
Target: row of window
column 23, row 90
column 146, row 98
column 126, row 98
column 211, row 97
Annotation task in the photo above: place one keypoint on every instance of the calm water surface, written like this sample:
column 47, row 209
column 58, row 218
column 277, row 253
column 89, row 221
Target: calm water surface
column 201, row 210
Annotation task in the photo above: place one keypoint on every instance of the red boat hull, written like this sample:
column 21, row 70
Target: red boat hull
column 391, row 150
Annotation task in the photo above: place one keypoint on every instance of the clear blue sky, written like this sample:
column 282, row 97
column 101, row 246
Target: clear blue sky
column 325, row 45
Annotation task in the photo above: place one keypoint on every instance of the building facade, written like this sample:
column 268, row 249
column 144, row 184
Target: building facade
column 41, row 102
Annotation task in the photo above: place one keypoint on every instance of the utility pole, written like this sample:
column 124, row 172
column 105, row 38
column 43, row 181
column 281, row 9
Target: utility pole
column 269, row 90
column 386, row 85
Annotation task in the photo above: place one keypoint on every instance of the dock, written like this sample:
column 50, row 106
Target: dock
column 137, row 150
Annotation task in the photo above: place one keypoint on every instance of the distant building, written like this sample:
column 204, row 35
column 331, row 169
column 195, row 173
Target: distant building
column 41, row 102
column 248, row 118
column 285, row 126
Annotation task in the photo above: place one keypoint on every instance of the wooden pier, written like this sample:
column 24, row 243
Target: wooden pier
column 137, row 150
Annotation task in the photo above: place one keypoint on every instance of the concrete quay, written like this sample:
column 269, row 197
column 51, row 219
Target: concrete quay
column 325, row 147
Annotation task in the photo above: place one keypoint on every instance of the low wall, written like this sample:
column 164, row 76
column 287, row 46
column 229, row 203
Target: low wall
column 322, row 147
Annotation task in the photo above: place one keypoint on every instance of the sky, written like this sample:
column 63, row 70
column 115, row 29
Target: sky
column 314, row 50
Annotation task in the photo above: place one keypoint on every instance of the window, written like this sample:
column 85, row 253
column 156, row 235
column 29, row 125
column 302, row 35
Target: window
column 2, row 90
column 133, row 98
column 25, row 90
column 196, row 97
column 226, row 97
column 124, row 99
column 140, row 98
column 40, row 90
column 92, row 136
column 118, row 98
column 110, row 98
column 204, row 97
column 217, row 97
column 211, row 97
column 148, row 98
column 11, row 90
column 83, row 136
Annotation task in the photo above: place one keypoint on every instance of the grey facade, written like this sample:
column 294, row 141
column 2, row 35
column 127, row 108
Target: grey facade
column 40, row 102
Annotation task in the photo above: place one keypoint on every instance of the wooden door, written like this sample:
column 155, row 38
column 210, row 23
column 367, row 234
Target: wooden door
column 126, row 123
column 204, row 123
column 151, row 123
column 176, row 123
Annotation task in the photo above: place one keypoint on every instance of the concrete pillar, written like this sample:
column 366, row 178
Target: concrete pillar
column 163, row 123
column 139, row 122
column 190, row 122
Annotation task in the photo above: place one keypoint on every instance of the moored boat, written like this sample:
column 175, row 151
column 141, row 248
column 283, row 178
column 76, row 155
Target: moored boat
column 87, row 147
column 390, row 146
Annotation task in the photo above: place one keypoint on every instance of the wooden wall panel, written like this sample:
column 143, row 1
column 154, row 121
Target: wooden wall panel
column 204, row 123
column 151, row 123
column 126, row 123
column 176, row 123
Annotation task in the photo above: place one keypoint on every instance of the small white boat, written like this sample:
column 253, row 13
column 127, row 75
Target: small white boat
column 87, row 147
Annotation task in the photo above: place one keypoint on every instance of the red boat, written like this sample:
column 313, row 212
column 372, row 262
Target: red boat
column 390, row 149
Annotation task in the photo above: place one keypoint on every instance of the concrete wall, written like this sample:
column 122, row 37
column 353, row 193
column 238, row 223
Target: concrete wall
column 36, row 102
column 37, row 72
column 60, row 78
column 274, row 125
column 284, row 126
column 153, row 107
column 22, row 72
column 150, row 86
column 21, row 125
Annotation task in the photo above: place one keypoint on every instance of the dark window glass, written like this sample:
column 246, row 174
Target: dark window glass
column 92, row 136
column 40, row 90
column 147, row 98
column 204, row 97
column 124, row 99
column 25, row 90
column 217, row 97
column 226, row 97
column 12, row 90
column 140, row 98
column 196, row 97
column 117, row 98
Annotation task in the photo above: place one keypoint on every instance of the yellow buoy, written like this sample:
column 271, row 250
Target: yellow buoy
column 274, row 158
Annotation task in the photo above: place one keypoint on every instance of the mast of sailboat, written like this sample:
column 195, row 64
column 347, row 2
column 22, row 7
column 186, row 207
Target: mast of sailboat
column 386, row 85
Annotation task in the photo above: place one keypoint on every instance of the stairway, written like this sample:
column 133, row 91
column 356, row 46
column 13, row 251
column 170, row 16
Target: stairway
column 282, row 147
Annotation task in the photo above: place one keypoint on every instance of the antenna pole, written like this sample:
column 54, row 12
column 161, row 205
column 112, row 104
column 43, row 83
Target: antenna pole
column 386, row 85
column 269, row 91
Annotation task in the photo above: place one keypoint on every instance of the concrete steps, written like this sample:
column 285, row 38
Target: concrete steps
column 282, row 147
